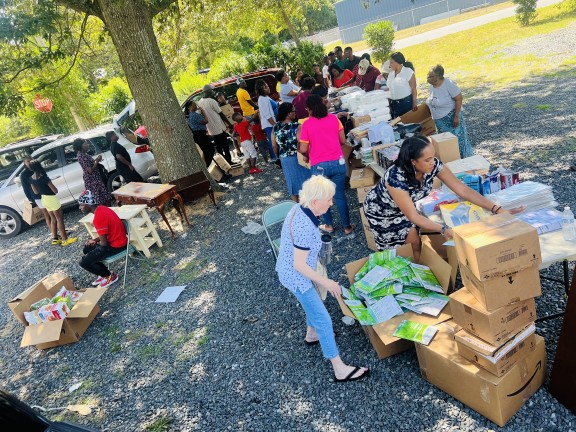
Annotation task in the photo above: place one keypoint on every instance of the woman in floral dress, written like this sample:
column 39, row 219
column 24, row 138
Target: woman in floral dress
column 92, row 177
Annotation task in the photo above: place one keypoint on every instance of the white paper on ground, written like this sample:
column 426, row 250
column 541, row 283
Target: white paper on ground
column 170, row 294
column 252, row 228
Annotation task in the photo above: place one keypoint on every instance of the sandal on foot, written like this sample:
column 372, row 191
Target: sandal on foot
column 323, row 228
column 351, row 376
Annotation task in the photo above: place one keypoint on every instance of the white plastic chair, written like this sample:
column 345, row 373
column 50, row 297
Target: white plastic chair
column 274, row 215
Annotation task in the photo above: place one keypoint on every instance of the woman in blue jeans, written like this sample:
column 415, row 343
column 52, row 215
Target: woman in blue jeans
column 296, row 266
column 322, row 137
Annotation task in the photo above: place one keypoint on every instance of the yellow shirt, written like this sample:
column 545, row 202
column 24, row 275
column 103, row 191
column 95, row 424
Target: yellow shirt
column 243, row 97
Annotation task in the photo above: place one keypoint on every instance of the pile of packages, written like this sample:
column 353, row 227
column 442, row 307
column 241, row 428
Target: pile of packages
column 491, row 342
column 374, row 104
column 388, row 285
column 54, row 309
column 532, row 195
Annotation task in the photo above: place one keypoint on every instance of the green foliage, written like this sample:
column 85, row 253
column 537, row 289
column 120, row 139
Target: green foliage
column 380, row 37
column 525, row 12
column 110, row 99
column 11, row 130
column 288, row 58
column 187, row 83
column 569, row 5
column 228, row 64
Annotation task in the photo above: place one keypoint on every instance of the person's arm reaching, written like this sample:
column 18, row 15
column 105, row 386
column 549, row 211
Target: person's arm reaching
column 300, row 264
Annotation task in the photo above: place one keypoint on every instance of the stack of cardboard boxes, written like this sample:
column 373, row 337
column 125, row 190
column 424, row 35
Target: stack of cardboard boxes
column 489, row 356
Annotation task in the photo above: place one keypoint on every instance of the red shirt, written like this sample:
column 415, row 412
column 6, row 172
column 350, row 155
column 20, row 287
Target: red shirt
column 368, row 80
column 109, row 224
column 299, row 103
column 258, row 132
column 242, row 130
column 345, row 78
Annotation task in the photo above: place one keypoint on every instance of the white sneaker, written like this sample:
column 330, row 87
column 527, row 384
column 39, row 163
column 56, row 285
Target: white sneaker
column 98, row 281
column 113, row 278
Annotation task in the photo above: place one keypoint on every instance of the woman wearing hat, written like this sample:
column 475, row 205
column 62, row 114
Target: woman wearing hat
column 402, row 84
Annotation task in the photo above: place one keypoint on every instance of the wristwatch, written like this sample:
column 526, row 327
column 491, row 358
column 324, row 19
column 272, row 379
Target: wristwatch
column 443, row 229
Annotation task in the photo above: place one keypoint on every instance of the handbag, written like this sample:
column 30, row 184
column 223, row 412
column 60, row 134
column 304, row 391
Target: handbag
column 320, row 268
column 104, row 174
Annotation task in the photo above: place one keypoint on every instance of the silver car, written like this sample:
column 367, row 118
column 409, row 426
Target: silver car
column 60, row 162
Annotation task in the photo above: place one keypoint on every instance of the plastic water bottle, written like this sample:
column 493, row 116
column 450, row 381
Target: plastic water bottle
column 568, row 228
column 348, row 320
column 341, row 161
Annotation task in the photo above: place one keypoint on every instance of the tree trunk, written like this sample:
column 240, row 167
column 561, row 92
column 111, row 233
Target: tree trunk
column 130, row 25
column 288, row 21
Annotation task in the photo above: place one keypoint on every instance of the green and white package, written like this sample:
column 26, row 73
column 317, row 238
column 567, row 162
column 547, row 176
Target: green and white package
column 360, row 312
column 416, row 332
column 426, row 278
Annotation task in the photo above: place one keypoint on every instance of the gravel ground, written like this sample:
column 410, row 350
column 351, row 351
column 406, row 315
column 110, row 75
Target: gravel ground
column 229, row 354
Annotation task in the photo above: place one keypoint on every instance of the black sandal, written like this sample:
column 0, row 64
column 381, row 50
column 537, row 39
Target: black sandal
column 351, row 376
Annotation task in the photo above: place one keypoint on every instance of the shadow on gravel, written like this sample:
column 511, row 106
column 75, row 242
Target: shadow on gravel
column 229, row 354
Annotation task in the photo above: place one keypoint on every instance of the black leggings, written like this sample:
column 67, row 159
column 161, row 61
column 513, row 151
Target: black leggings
column 222, row 146
column 205, row 144
column 94, row 254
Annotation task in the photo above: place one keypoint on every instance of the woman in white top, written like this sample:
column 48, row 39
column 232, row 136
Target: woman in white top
column 266, row 112
column 445, row 103
column 402, row 84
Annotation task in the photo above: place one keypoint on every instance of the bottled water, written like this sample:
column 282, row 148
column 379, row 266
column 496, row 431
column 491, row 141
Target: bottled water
column 341, row 161
column 348, row 320
column 568, row 228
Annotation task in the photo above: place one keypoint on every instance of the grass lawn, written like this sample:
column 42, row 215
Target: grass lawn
column 401, row 34
column 476, row 57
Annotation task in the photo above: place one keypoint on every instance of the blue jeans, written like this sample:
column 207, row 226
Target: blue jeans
column 273, row 155
column 319, row 319
column 401, row 106
column 337, row 173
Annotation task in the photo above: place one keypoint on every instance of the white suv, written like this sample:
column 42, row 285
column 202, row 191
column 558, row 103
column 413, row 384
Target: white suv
column 60, row 162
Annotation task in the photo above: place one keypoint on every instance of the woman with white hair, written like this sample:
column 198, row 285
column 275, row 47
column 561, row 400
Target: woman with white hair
column 296, row 267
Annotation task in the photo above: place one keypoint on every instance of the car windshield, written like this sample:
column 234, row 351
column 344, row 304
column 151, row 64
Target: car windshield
column 10, row 159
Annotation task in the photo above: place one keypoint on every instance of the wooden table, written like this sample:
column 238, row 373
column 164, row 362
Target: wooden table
column 152, row 195
column 143, row 235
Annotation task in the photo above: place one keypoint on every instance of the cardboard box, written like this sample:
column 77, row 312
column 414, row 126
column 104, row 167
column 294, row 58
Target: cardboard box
column 302, row 161
column 496, row 398
column 362, row 192
column 236, row 170
column 496, row 359
column 494, row 327
column 447, row 253
column 380, row 335
column 61, row 332
column 362, row 177
column 370, row 242
column 31, row 214
column 423, row 116
column 497, row 246
column 228, row 111
column 446, row 146
column 475, row 165
column 222, row 163
column 215, row 171
column 360, row 120
column 498, row 292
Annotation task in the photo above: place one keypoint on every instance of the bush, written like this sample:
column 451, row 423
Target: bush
column 288, row 56
column 187, row 83
column 111, row 99
column 526, row 11
column 228, row 64
column 380, row 37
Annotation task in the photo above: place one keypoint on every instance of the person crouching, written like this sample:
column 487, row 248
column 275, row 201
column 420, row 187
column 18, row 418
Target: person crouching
column 111, row 240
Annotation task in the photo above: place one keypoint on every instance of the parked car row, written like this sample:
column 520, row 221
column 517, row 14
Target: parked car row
column 59, row 159
column 57, row 156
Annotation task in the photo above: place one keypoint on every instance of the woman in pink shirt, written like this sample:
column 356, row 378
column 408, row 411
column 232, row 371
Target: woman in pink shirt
column 322, row 136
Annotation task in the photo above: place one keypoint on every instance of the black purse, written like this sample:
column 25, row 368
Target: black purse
column 104, row 174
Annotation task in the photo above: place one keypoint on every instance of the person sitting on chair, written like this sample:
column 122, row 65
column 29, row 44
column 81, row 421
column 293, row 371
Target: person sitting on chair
column 110, row 241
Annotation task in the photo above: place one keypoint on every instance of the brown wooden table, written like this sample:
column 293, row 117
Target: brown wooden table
column 153, row 195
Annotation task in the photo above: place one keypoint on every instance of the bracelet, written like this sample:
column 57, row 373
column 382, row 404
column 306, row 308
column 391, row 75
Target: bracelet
column 443, row 230
column 492, row 210
column 497, row 208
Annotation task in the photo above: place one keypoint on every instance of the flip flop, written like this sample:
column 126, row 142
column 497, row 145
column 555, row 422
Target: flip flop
column 351, row 376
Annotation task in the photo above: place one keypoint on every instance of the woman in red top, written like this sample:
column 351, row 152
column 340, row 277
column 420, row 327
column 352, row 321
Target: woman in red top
column 339, row 76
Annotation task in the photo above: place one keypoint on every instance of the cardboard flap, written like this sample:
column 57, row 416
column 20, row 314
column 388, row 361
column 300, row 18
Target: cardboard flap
column 87, row 302
column 42, row 333
column 27, row 292
column 441, row 269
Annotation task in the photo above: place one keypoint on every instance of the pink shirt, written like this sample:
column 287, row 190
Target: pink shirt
column 323, row 136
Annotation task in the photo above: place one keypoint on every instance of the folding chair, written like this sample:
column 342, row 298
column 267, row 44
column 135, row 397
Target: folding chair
column 272, row 216
column 124, row 254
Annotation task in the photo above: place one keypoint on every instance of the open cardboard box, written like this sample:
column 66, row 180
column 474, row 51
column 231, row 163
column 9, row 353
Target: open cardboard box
column 60, row 332
column 447, row 253
column 423, row 116
column 380, row 335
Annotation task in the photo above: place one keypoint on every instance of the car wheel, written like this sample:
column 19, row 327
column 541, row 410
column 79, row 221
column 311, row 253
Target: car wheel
column 115, row 181
column 10, row 223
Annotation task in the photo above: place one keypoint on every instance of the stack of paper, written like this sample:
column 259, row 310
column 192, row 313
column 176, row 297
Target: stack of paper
column 531, row 195
column 544, row 220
